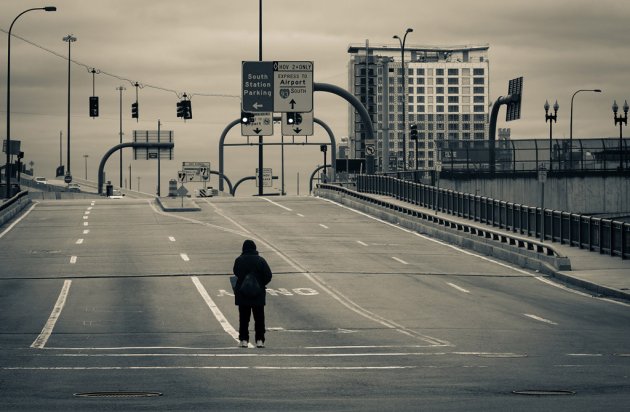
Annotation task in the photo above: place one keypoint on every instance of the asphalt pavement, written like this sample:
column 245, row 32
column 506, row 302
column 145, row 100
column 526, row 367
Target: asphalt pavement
column 119, row 299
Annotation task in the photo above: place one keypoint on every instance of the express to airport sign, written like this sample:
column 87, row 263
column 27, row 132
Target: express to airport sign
column 277, row 86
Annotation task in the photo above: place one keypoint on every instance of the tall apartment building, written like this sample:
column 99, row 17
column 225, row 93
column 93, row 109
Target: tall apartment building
column 447, row 97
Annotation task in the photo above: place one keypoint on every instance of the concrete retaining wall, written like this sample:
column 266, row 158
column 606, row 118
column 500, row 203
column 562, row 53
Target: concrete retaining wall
column 8, row 213
column 583, row 195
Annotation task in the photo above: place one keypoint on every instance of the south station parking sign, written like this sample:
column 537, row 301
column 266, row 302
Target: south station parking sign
column 277, row 86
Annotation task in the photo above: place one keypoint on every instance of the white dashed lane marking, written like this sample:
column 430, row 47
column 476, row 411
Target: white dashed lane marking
column 361, row 243
column 539, row 319
column 171, row 238
column 324, row 226
column 399, row 260
column 73, row 259
column 79, row 241
column 461, row 289
column 184, row 257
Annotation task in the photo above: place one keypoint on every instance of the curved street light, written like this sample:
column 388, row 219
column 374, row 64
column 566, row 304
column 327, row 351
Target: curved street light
column 404, row 77
column 551, row 118
column 7, row 169
column 621, row 120
column 571, row 123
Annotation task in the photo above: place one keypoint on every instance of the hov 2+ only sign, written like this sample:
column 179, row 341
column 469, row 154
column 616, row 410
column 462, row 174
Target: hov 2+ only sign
column 278, row 86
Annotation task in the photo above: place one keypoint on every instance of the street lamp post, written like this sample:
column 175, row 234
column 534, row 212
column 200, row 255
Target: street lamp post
column 551, row 118
column 571, row 123
column 70, row 39
column 85, row 157
column 7, row 170
column 404, row 95
column 621, row 120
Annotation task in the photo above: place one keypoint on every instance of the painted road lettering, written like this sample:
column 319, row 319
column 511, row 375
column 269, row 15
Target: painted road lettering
column 278, row 292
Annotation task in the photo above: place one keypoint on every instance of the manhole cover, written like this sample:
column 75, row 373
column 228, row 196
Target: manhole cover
column 117, row 394
column 543, row 392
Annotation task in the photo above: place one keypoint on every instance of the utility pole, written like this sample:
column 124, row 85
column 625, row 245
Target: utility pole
column 120, row 89
column 70, row 39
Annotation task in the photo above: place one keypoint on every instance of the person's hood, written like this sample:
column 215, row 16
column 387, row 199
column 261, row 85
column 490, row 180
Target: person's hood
column 249, row 246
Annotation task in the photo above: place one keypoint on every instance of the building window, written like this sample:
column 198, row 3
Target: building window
column 453, row 80
column 478, row 108
column 453, row 72
column 420, row 72
column 453, row 135
column 465, row 118
column 391, row 89
column 439, row 126
column 409, row 72
column 420, row 99
column 478, row 90
column 453, row 108
column 466, row 136
column 439, row 99
column 478, row 126
column 478, row 99
column 453, row 90
column 420, row 90
column 478, row 72
column 410, row 90
column 453, row 99
column 453, row 126
column 478, row 80
column 420, row 80
column 410, row 80
column 453, row 118
column 439, row 90
column 440, row 80
column 479, row 136
column 420, row 108
column 439, row 117
column 479, row 118
column 465, row 126
column 439, row 72
column 411, row 108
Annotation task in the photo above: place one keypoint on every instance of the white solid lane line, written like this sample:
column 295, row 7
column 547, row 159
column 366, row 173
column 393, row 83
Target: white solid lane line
column 277, row 204
column 184, row 257
column 41, row 340
column 399, row 260
column 171, row 238
column 73, row 259
column 79, row 241
column 215, row 309
column 461, row 289
column 538, row 318
column 362, row 243
column 324, row 226
column 17, row 221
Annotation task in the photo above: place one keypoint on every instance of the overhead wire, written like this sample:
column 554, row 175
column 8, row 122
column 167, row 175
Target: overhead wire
column 119, row 77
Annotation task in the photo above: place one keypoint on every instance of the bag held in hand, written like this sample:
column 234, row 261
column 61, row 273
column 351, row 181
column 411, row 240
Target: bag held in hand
column 250, row 288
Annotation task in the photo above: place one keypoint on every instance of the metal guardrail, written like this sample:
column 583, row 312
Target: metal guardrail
column 13, row 200
column 605, row 236
column 494, row 235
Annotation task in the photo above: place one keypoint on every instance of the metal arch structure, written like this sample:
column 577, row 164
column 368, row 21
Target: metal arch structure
column 310, row 180
column 333, row 143
column 233, row 191
column 221, row 178
column 148, row 145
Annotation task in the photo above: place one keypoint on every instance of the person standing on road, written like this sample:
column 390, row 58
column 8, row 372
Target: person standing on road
column 250, row 265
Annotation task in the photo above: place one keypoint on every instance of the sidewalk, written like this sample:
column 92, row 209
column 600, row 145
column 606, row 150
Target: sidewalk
column 600, row 274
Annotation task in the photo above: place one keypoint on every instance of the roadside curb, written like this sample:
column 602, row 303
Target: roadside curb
column 591, row 286
column 165, row 208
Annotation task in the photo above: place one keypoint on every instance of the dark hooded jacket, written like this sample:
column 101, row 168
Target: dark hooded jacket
column 250, row 262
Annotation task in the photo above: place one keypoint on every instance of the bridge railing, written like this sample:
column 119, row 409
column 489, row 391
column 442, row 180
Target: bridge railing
column 605, row 236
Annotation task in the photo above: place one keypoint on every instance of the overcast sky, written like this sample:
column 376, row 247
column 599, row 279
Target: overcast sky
column 197, row 47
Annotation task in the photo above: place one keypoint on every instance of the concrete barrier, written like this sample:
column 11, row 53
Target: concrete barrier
column 13, row 206
column 487, row 242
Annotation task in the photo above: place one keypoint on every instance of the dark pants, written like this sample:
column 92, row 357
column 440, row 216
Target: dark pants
column 244, row 312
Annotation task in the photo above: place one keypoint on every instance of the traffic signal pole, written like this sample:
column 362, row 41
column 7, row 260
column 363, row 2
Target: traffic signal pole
column 260, row 138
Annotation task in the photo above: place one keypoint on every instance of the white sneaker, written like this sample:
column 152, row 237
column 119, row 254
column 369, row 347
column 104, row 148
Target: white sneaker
column 260, row 344
column 244, row 344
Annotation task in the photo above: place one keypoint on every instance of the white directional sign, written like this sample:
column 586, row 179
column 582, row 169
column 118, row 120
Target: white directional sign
column 194, row 171
column 267, row 177
column 293, row 86
column 302, row 124
column 261, row 126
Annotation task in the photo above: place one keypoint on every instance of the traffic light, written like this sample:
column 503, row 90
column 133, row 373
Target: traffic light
column 247, row 118
column 294, row 118
column 180, row 108
column 414, row 132
column 134, row 110
column 187, row 109
column 93, row 106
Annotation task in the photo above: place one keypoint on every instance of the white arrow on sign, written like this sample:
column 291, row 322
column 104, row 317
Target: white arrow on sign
column 257, row 105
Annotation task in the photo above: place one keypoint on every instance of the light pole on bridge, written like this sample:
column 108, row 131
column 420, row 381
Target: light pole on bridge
column 551, row 118
column 404, row 94
column 621, row 120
